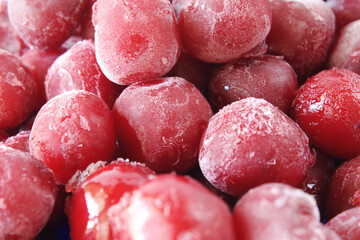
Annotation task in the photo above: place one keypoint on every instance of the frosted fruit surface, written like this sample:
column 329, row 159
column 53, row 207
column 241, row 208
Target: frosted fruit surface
column 27, row 195
column 346, row 51
column 344, row 188
column 267, row 77
column 345, row 11
column 9, row 40
column 278, row 211
column 71, row 131
column 219, row 31
column 17, row 91
column 302, row 31
column 251, row 142
column 45, row 24
column 77, row 69
column 346, row 224
column 135, row 40
column 37, row 62
column 160, row 123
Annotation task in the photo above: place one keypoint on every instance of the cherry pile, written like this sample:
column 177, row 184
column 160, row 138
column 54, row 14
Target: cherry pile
column 182, row 119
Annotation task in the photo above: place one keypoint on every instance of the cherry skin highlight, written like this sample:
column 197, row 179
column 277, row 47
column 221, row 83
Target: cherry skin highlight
column 89, row 204
column 327, row 108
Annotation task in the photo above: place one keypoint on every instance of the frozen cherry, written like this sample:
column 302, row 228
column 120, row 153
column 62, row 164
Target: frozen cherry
column 278, row 211
column 345, row 11
column 89, row 203
column 171, row 207
column 38, row 61
column 71, row 131
column 9, row 40
column 318, row 178
column 344, row 188
column 77, row 69
column 45, row 24
column 251, row 142
column 267, row 77
column 18, row 91
column 19, row 141
column 346, row 224
column 135, row 40
column 346, row 51
column 87, row 30
column 302, row 31
column 219, row 31
column 193, row 70
column 327, row 108
column 160, row 123
column 27, row 195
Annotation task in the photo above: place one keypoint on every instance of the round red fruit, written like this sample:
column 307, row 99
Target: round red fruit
column 251, row 142
column 327, row 108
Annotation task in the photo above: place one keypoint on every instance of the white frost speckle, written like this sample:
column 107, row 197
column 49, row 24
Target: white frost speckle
column 164, row 60
column 13, row 80
column 2, row 203
column 310, row 185
column 84, row 124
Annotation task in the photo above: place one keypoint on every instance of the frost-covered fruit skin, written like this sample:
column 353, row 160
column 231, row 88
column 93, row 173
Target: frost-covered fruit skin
column 346, row 51
column 17, row 91
column 327, row 108
column 142, row 44
column 9, row 40
column 318, row 178
column 91, row 200
column 267, row 77
column 160, row 123
column 37, row 62
column 345, row 11
column 219, row 31
column 251, row 142
column 19, row 141
column 171, row 207
column 87, row 30
column 193, row 70
column 45, row 24
column 344, row 188
column 278, row 211
column 28, row 193
column 346, row 224
column 77, row 69
column 302, row 31
column 71, row 131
